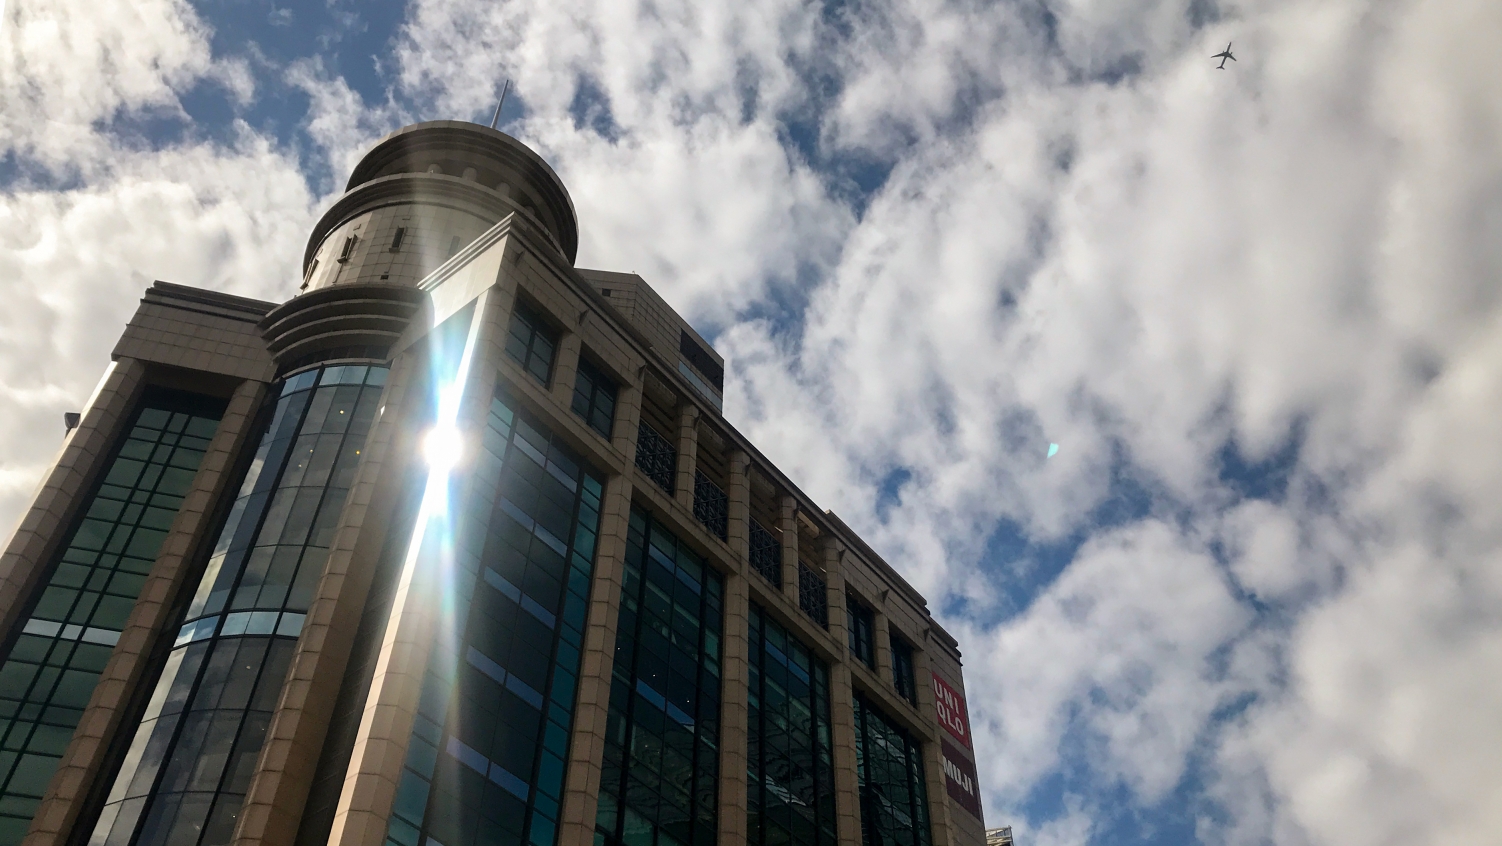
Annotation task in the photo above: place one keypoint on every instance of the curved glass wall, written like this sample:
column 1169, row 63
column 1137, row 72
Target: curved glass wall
column 51, row 669
column 789, row 759
column 189, row 764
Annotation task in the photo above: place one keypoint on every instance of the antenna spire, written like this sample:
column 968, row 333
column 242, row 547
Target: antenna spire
column 496, row 119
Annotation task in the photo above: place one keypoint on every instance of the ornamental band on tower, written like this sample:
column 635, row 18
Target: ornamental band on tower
column 453, row 548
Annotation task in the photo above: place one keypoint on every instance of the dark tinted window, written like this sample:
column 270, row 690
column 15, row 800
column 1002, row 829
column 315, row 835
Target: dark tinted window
column 594, row 397
column 862, row 630
column 531, row 342
column 902, row 670
column 701, row 360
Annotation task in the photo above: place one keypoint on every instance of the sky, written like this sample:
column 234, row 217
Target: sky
column 1255, row 597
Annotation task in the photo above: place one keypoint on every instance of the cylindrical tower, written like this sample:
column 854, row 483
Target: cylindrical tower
column 424, row 192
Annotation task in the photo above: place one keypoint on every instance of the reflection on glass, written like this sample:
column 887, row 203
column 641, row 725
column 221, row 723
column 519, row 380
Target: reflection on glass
column 190, row 762
column 52, row 668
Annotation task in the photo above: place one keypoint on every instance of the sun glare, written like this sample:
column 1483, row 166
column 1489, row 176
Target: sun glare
column 443, row 447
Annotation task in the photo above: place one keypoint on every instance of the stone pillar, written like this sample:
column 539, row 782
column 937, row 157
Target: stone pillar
column 566, row 368
column 734, row 711
column 285, row 770
column 688, row 454
column 842, row 699
column 933, row 764
column 787, row 525
column 41, row 530
column 386, row 724
column 627, row 421
column 738, row 533
column 576, row 825
column 68, row 791
column 882, row 635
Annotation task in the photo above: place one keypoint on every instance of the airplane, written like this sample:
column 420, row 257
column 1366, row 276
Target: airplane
column 1223, row 56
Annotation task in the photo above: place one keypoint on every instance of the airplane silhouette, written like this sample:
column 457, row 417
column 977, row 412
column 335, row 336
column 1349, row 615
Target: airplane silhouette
column 1223, row 56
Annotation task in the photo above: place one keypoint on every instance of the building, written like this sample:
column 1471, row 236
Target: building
column 453, row 548
column 999, row 836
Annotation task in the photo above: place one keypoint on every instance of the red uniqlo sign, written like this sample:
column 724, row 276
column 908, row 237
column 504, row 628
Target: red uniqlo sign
column 951, row 707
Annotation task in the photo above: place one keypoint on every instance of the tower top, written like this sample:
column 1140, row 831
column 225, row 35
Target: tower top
column 459, row 164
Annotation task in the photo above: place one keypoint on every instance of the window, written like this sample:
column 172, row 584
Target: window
column 348, row 249
column 659, row 778
column 789, row 762
column 194, row 750
column 531, row 342
column 862, row 630
column 487, row 756
column 889, row 775
column 902, row 669
column 454, row 244
column 54, row 664
column 594, row 397
column 396, row 240
column 702, row 361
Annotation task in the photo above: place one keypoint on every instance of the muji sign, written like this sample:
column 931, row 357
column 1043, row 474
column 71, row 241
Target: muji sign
column 959, row 778
column 951, row 707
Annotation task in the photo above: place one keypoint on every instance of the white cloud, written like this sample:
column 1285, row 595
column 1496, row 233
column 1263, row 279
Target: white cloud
column 686, row 181
column 75, row 259
column 1118, row 654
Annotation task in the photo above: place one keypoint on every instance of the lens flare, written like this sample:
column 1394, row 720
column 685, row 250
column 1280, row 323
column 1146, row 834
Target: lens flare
column 443, row 447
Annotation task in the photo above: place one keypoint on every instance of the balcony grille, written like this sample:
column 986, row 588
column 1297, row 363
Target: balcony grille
column 766, row 554
column 711, row 505
column 813, row 595
column 656, row 457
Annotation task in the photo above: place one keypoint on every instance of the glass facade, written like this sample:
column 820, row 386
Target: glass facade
column 485, row 763
column 661, row 766
column 790, row 765
column 889, row 775
column 52, row 667
column 190, row 761
column 594, row 397
column 531, row 342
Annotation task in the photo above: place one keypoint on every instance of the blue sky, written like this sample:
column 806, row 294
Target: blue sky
column 1253, row 597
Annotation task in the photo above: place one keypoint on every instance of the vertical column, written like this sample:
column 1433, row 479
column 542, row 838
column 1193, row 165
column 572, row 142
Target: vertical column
column 738, row 533
column 592, row 707
column 285, row 770
column 881, row 633
column 842, row 698
column 51, row 514
column 688, row 453
column 787, row 525
column 933, row 765
column 67, row 792
column 566, row 368
column 627, row 420
column 734, row 711
column 386, row 724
